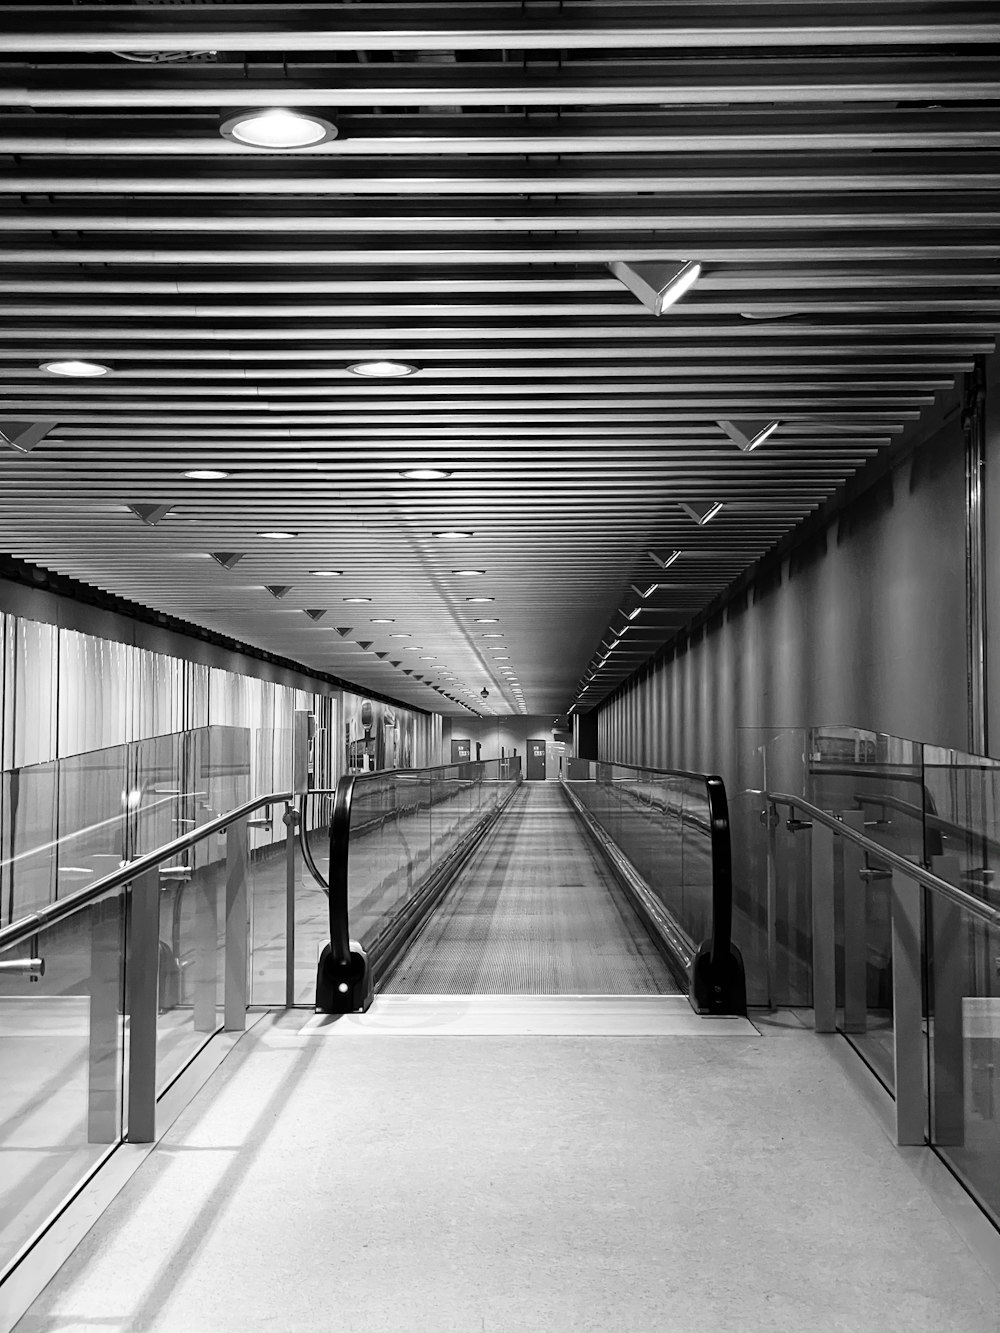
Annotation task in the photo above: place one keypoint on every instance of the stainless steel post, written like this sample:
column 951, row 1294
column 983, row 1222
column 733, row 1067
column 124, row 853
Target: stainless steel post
column 105, row 1019
column 855, row 900
column 950, row 981
column 290, row 819
column 823, row 927
column 907, row 1015
column 204, row 966
column 142, row 965
column 237, row 927
column 772, row 904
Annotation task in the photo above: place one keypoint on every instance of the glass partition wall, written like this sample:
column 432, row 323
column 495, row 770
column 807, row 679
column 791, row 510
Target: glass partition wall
column 932, row 808
column 405, row 828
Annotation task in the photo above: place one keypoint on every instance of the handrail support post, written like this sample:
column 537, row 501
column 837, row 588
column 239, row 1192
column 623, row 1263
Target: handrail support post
column 907, row 1010
column 142, row 966
column 855, row 911
column 290, row 819
column 824, row 974
column 237, row 927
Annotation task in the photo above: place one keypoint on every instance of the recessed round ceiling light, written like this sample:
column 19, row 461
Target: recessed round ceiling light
column 357, row 599
column 277, row 536
column 327, row 573
column 383, row 620
column 468, row 573
column 277, row 127
column 382, row 370
column 82, row 370
column 425, row 473
column 206, row 474
column 452, row 534
column 480, row 599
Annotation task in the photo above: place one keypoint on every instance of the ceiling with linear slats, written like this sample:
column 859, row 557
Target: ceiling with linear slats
column 832, row 165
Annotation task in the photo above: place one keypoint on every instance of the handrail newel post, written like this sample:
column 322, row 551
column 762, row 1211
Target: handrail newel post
column 142, row 959
column 290, row 819
column 907, row 1010
column 824, row 974
column 855, row 911
column 237, row 927
column 948, row 943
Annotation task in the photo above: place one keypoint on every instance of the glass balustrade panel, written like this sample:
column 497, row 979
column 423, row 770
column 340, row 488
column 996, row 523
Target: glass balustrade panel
column 964, row 1041
column 62, row 1052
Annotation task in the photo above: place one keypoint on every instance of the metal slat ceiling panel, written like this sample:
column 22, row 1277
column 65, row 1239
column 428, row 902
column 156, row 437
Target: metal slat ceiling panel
column 830, row 163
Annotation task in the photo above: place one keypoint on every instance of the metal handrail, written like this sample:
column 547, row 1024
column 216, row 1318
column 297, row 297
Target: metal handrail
column 926, row 878
column 27, row 926
column 932, row 820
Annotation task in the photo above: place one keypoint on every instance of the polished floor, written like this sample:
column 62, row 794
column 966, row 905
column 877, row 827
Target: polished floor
column 370, row 1181
column 536, row 911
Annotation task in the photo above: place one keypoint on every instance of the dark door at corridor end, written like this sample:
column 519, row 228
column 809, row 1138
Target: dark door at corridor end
column 536, row 761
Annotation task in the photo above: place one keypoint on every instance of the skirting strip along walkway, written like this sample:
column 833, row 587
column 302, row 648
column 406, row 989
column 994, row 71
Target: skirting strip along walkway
column 529, row 1015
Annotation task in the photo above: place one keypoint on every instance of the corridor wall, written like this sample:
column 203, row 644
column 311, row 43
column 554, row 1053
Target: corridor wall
column 65, row 691
column 862, row 623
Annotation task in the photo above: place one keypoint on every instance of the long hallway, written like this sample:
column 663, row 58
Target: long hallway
column 536, row 911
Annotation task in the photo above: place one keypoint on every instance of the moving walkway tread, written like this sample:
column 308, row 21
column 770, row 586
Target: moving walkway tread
column 536, row 911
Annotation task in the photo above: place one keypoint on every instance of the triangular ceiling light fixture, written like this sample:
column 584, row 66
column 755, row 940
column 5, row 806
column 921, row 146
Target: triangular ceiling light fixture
column 644, row 591
column 315, row 613
column 381, row 656
column 278, row 589
column 227, row 559
column 396, row 664
column 664, row 558
column 407, row 671
column 657, row 285
column 344, row 630
column 364, row 644
column 702, row 511
column 749, row 435
column 151, row 514
column 24, row 435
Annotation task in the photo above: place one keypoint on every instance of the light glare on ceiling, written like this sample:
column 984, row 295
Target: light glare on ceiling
column 81, row 370
column 382, row 370
column 277, row 128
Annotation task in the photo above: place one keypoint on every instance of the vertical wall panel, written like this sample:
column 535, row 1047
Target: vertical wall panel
column 865, row 626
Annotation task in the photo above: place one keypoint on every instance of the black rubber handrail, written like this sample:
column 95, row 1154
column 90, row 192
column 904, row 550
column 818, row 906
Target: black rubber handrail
column 344, row 979
column 718, row 984
column 340, row 841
